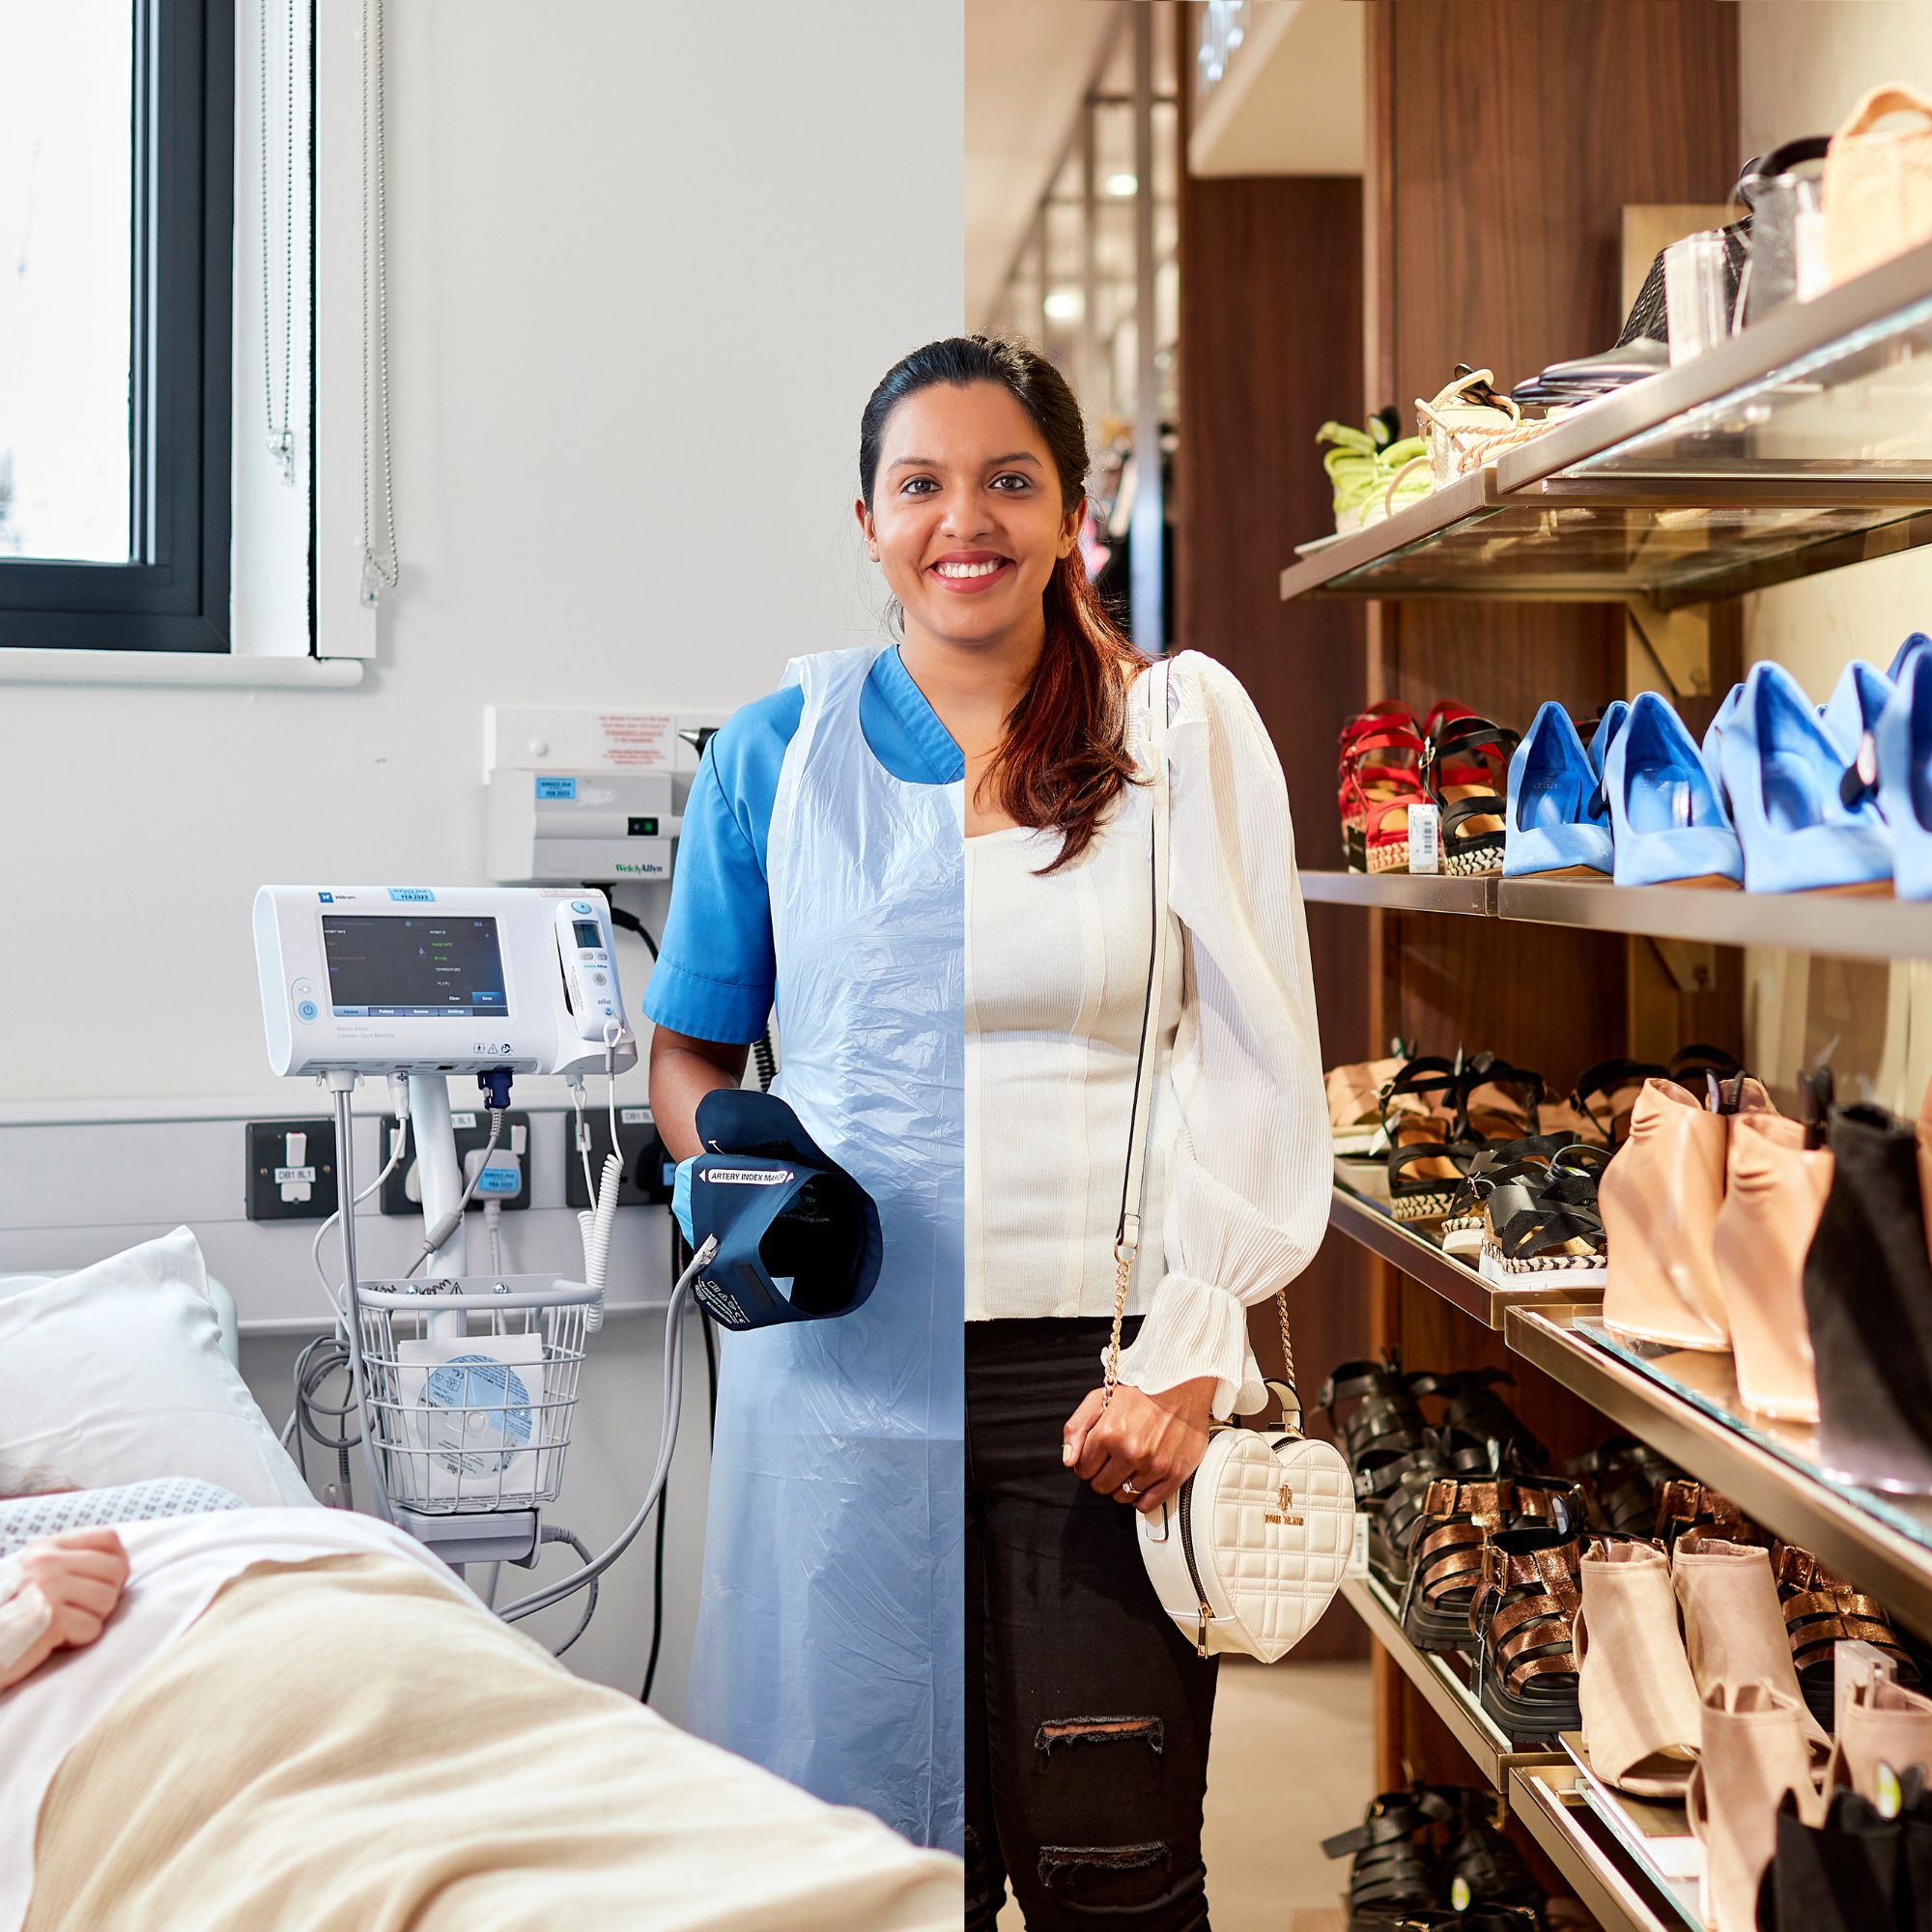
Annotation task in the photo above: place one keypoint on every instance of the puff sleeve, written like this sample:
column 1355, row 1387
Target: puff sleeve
column 1250, row 1176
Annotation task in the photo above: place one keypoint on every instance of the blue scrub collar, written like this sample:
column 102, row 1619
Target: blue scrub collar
column 909, row 706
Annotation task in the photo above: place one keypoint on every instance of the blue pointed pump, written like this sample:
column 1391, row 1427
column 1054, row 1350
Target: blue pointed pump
column 1913, row 647
column 1616, row 712
column 1669, row 825
column 1781, row 776
column 1713, row 752
column 1557, row 820
column 1858, row 700
column 1904, row 746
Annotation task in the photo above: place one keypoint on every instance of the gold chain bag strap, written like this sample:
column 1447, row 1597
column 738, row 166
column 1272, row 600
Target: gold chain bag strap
column 1248, row 1553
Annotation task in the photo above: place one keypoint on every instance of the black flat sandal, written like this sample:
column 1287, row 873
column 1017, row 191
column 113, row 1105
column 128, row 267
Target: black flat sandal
column 1623, row 1483
column 1393, row 1880
column 1450, row 1455
column 1465, row 766
column 1614, row 1085
column 1484, row 1880
column 1470, row 1401
column 1547, row 1227
column 1501, row 1160
column 1416, row 1142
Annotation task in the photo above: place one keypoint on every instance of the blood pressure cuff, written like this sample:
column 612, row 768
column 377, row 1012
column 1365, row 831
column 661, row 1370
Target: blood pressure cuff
column 798, row 1239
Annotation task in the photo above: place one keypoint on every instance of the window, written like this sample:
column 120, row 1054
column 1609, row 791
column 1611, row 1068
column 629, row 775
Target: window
column 116, row 218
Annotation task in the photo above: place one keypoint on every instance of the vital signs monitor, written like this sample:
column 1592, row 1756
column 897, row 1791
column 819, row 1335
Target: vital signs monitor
column 449, row 980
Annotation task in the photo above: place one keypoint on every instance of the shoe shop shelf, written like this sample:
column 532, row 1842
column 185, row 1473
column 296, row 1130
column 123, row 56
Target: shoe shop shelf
column 1422, row 1262
column 1800, row 445
column 1439, row 1680
column 1684, row 1404
column 1847, row 926
column 1620, row 1891
column 1403, row 891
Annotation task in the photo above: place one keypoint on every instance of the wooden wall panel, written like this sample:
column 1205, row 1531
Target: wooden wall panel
column 1506, row 137
column 1271, row 293
column 1517, row 132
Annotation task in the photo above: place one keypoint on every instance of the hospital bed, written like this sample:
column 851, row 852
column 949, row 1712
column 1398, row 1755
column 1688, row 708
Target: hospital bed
column 298, row 1718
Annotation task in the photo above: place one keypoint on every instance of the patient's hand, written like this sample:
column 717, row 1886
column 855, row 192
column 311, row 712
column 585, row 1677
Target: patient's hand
column 81, row 1574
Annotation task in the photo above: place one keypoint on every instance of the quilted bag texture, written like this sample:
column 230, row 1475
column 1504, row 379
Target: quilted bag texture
column 1270, row 1517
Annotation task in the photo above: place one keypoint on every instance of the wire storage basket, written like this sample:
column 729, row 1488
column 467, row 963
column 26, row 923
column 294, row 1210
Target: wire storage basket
column 468, row 1387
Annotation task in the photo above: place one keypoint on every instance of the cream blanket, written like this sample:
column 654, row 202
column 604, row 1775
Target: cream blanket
column 336, row 1746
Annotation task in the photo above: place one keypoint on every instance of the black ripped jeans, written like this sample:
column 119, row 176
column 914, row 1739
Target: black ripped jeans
column 1087, row 1711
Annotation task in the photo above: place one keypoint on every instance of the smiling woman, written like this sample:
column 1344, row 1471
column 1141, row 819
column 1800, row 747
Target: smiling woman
column 973, row 458
column 1087, row 1714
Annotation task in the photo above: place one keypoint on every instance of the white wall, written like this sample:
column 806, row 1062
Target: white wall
column 643, row 276
column 1802, row 64
column 646, row 264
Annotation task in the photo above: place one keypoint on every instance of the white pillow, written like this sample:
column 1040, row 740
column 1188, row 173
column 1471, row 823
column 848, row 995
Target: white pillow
column 116, row 1374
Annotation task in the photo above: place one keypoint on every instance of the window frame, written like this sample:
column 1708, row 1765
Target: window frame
column 173, row 594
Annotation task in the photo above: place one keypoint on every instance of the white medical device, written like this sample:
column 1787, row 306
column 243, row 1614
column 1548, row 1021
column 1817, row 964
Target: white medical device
column 464, row 1384
column 553, row 825
column 376, row 979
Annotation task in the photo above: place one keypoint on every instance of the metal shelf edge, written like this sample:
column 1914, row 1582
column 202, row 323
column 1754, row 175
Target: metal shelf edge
column 1403, row 891
column 1491, row 1753
column 1843, row 926
column 1538, row 1797
column 1848, row 1538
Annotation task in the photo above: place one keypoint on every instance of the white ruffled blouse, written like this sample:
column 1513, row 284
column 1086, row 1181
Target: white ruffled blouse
column 1239, row 1158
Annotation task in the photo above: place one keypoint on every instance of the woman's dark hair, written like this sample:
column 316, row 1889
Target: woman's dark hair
column 1063, row 759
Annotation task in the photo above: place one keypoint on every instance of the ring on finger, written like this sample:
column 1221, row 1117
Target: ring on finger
column 1128, row 1490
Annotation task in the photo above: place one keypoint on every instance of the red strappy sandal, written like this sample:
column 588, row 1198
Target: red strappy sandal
column 1382, row 754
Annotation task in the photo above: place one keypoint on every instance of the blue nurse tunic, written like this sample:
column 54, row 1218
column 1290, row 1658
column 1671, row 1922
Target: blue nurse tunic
column 716, row 972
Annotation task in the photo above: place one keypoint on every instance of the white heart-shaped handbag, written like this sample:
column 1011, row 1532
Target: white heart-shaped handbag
column 1249, row 1552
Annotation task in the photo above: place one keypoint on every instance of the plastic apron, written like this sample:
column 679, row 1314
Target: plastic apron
column 831, row 1633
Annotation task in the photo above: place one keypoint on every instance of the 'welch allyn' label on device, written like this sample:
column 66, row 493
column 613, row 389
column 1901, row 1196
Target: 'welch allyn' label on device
column 748, row 1177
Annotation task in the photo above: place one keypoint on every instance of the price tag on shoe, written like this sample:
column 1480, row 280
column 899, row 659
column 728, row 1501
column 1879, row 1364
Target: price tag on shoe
column 1424, row 839
column 1358, row 1551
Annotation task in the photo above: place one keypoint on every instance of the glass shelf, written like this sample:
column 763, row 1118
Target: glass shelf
column 1684, row 1404
column 1802, row 444
column 1623, row 1892
column 1846, row 925
column 1376, row 1228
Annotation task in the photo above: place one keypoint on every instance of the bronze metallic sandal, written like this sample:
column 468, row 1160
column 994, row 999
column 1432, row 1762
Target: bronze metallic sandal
column 1821, row 1608
column 1458, row 1517
column 1523, row 1614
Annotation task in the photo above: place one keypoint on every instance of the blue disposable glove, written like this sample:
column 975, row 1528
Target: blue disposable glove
column 680, row 1198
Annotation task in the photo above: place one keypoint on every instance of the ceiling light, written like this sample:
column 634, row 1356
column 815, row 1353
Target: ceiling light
column 1064, row 305
column 1123, row 185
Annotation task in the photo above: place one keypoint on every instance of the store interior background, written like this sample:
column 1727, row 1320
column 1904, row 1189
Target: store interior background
column 1369, row 194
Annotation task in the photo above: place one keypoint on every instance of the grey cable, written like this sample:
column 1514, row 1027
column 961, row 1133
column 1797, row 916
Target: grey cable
column 673, row 1397
column 453, row 1220
column 553, row 1533
column 352, row 1322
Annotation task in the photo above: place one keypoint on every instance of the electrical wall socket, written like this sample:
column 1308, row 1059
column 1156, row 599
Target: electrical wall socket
column 402, row 1192
column 282, row 1188
column 644, row 1184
